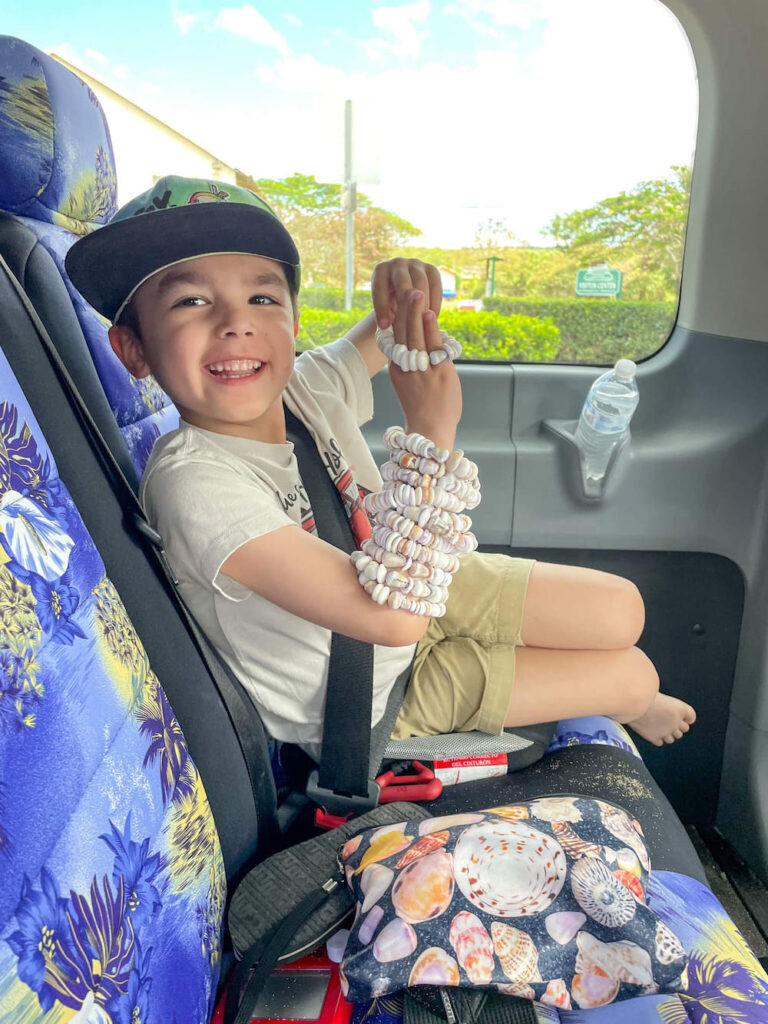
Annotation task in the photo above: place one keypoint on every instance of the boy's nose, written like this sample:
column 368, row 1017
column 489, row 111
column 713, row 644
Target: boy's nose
column 236, row 323
column 234, row 330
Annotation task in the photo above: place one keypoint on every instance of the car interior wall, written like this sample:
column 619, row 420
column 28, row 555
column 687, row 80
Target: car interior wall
column 695, row 479
column 723, row 293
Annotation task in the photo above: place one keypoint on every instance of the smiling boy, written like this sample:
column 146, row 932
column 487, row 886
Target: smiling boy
column 203, row 296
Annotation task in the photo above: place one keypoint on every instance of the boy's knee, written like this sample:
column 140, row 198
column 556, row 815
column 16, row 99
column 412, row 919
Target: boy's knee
column 641, row 681
column 625, row 613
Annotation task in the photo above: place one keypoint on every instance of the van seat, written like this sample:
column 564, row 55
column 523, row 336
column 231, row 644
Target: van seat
column 113, row 882
column 57, row 176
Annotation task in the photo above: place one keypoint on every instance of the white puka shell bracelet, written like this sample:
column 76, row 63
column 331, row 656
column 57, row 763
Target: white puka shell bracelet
column 416, row 359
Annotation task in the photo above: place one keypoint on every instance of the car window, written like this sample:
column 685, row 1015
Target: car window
column 538, row 151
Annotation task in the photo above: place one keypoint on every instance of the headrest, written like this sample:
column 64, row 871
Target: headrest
column 56, row 161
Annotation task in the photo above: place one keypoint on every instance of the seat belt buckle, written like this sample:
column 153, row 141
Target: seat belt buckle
column 343, row 805
column 421, row 786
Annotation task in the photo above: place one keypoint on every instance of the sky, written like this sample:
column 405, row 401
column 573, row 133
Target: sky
column 464, row 111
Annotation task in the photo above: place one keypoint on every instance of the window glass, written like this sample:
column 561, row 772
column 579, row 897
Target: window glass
column 538, row 151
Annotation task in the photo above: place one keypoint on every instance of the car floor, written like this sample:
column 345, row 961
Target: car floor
column 740, row 891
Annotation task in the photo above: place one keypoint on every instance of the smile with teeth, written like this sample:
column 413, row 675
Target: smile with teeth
column 233, row 368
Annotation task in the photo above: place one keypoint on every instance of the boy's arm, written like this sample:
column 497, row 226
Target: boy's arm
column 391, row 283
column 316, row 581
column 363, row 337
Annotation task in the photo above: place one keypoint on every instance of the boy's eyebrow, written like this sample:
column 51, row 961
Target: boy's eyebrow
column 190, row 277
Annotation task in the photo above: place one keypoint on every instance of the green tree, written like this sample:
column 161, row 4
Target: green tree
column 640, row 231
column 311, row 210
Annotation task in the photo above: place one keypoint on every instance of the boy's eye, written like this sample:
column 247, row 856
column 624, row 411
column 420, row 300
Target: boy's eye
column 190, row 300
column 261, row 300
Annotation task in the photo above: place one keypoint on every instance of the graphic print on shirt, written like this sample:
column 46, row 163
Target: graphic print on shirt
column 298, row 495
column 351, row 492
column 351, row 495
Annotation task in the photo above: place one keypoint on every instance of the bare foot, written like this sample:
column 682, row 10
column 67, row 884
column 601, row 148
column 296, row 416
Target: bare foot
column 665, row 721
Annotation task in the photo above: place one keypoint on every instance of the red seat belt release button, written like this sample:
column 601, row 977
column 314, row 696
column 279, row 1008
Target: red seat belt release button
column 421, row 786
column 324, row 819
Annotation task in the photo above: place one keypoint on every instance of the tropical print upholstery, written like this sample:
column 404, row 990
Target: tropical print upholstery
column 57, row 174
column 591, row 729
column 726, row 984
column 112, row 883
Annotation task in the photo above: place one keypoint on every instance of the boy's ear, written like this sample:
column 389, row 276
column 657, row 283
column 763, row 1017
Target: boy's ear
column 296, row 326
column 128, row 350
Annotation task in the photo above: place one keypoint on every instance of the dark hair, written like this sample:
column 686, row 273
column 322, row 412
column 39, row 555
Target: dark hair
column 130, row 318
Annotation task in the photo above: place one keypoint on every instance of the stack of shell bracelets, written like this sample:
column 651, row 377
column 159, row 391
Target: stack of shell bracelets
column 419, row 529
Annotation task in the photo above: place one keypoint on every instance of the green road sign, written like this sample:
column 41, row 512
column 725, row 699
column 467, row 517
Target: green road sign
column 600, row 281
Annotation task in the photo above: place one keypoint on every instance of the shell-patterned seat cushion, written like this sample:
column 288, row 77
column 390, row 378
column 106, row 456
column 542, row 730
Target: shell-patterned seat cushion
column 725, row 983
column 112, row 882
column 57, row 174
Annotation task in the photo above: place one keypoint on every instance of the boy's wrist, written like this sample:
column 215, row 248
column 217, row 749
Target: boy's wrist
column 444, row 436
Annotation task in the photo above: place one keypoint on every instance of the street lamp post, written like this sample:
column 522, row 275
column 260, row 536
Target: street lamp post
column 348, row 205
column 490, row 275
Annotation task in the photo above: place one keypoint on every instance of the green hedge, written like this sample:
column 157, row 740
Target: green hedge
column 319, row 326
column 483, row 335
column 333, row 298
column 598, row 330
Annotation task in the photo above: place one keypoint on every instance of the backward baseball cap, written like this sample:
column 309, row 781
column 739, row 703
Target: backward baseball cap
column 177, row 219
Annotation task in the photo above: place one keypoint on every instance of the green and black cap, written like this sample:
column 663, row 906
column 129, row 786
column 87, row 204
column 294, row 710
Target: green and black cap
column 177, row 219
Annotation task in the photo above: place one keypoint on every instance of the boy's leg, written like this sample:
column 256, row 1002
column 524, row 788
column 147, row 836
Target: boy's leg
column 580, row 626
column 568, row 607
column 623, row 684
column 473, row 669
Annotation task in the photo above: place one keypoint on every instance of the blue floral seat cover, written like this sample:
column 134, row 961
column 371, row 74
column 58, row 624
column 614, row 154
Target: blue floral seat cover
column 57, row 175
column 112, row 883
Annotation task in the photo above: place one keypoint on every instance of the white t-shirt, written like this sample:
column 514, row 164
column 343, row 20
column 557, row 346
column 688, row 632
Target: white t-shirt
column 207, row 494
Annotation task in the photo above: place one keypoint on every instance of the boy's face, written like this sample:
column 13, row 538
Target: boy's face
column 217, row 333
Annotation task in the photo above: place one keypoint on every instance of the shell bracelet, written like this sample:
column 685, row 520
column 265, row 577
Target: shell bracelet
column 419, row 528
column 416, row 359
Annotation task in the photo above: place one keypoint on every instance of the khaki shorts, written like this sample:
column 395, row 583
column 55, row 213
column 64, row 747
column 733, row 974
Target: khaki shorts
column 465, row 663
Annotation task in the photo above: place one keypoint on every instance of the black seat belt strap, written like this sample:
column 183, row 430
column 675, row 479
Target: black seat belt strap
column 345, row 759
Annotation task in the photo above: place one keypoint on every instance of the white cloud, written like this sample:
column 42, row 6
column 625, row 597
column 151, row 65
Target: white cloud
column 102, row 70
column 303, row 74
column 399, row 23
column 513, row 13
column 292, row 18
column 248, row 22
column 184, row 22
column 605, row 99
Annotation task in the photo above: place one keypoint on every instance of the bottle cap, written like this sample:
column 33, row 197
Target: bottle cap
column 625, row 370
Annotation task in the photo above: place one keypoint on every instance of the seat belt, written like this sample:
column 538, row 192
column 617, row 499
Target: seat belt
column 238, row 705
column 343, row 782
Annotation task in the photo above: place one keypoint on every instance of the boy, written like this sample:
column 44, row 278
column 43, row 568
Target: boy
column 201, row 284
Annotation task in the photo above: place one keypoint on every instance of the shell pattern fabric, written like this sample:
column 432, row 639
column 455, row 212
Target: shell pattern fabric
column 534, row 901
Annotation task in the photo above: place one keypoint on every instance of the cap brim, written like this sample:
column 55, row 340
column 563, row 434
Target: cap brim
column 109, row 264
column 423, row 1004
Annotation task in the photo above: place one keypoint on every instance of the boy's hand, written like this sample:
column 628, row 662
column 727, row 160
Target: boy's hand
column 431, row 399
column 394, row 280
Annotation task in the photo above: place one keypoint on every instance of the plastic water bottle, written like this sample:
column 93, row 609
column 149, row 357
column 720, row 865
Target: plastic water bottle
column 605, row 416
